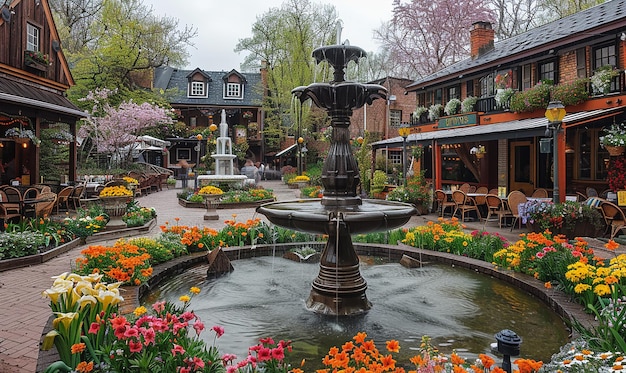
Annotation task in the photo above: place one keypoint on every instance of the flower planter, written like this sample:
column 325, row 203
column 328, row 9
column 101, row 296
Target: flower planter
column 580, row 229
column 211, row 201
column 115, row 207
column 615, row 150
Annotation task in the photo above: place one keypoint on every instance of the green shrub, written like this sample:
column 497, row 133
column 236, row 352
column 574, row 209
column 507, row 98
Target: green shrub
column 572, row 93
column 532, row 99
column 19, row 244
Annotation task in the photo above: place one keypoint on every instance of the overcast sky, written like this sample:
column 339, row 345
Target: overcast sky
column 218, row 34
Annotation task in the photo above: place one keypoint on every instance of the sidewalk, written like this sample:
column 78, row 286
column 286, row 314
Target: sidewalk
column 24, row 312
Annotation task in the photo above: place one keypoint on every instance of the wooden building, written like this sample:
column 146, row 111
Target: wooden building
column 34, row 76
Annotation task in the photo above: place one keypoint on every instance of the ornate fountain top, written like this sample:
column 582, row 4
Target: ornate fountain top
column 223, row 125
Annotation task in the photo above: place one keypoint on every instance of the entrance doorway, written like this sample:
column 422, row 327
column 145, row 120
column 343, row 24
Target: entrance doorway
column 522, row 169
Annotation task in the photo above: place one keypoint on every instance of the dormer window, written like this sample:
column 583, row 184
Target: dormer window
column 32, row 37
column 233, row 85
column 197, row 89
column 233, row 90
column 198, row 84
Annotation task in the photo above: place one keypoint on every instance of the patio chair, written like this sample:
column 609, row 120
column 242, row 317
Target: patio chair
column 497, row 207
column 14, row 199
column 10, row 207
column 76, row 196
column 514, row 199
column 442, row 202
column 613, row 217
column 540, row 193
column 45, row 207
column 464, row 204
column 5, row 216
column 63, row 199
column 465, row 187
column 591, row 192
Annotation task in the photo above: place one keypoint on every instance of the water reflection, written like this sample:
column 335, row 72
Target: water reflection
column 458, row 308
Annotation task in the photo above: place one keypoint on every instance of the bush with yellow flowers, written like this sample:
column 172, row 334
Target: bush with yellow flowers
column 115, row 191
column 210, row 190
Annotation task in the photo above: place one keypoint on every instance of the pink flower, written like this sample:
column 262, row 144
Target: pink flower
column 264, row 354
column 94, row 328
column 134, row 346
column 540, row 254
column 199, row 363
column 159, row 306
column 228, row 358
column 231, row 369
column 219, row 330
column 278, row 353
column 267, row 341
column 148, row 336
column 178, row 349
column 184, row 370
column 179, row 326
column 131, row 332
column 188, row 316
column 198, row 326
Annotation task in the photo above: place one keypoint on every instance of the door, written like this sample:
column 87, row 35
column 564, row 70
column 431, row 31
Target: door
column 522, row 167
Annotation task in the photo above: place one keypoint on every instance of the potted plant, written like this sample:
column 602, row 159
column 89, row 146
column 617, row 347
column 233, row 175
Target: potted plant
column 453, row 106
column 531, row 99
column 602, row 78
column 572, row 93
column 572, row 219
column 37, row 60
column 420, row 114
column 434, row 112
column 614, row 139
column 22, row 136
column 378, row 182
column 468, row 104
column 417, row 191
column 503, row 97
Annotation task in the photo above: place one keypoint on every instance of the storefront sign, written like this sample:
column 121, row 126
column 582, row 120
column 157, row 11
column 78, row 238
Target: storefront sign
column 458, row 121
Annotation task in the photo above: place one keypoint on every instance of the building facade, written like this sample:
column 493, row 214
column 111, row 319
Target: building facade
column 199, row 96
column 499, row 136
column 34, row 76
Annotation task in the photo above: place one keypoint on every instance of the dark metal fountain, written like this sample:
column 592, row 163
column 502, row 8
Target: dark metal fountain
column 339, row 288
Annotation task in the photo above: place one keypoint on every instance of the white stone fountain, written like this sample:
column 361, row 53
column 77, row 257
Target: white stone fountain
column 224, row 157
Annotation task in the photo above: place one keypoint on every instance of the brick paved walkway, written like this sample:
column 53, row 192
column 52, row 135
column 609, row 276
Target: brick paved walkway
column 24, row 312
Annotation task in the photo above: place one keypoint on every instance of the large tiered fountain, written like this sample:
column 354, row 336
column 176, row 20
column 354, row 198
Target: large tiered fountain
column 339, row 288
column 224, row 157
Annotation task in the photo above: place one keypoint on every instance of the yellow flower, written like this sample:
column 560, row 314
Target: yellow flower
column 65, row 318
column 184, row 298
column 210, row 190
column 140, row 311
column 581, row 288
column 194, row 290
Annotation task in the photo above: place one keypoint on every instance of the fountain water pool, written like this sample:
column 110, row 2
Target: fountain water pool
column 458, row 308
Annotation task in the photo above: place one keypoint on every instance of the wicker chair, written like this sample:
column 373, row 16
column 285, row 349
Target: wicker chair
column 62, row 200
column 442, row 202
column 514, row 199
column 497, row 207
column 540, row 193
column 5, row 216
column 45, row 207
column 464, row 204
column 613, row 217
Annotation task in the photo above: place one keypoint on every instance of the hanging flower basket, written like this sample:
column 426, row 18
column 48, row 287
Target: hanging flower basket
column 615, row 150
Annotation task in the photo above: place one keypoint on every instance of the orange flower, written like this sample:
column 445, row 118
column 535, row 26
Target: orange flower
column 611, row 245
column 393, row 346
column 77, row 348
column 84, row 367
column 548, row 285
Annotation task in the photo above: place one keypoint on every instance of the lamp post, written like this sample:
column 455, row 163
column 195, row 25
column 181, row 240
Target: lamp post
column 199, row 138
column 404, row 132
column 555, row 112
column 508, row 344
column 300, row 141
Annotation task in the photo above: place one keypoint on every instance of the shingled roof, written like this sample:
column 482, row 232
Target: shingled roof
column 600, row 20
column 171, row 78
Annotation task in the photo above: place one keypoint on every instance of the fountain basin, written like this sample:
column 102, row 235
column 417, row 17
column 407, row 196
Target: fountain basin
column 309, row 215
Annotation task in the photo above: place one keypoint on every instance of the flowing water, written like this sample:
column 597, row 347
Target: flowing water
column 459, row 309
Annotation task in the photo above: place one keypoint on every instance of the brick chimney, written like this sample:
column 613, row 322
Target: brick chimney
column 481, row 38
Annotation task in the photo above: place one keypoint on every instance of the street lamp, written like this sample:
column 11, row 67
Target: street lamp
column 404, row 132
column 555, row 112
column 300, row 141
column 199, row 138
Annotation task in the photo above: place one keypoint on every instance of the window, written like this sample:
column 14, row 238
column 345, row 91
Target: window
column 32, row 37
column 604, row 56
column 581, row 66
column 547, row 72
column 486, row 86
column 395, row 118
column 454, row 92
column 469, row 87
column 197, row 89
column 592, row 158
column 395, row 157
column 233, row 90
column 527, row 80
column 438, row 96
